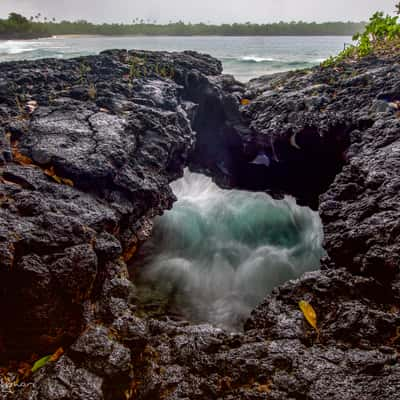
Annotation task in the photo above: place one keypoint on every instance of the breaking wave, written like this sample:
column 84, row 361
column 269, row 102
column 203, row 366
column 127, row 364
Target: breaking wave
column 218, row 253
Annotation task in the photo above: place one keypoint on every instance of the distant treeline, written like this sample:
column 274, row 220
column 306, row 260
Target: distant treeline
column 18, row 26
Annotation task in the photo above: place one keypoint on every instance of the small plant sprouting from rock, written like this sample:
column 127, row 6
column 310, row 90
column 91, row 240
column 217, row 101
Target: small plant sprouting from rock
column 51, row 97
column 140, row 68
column 137, row 68
column 21, row 111
column 84, row 69
column 164, row 71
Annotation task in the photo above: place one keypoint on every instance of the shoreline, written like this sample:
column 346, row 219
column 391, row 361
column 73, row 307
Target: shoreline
column 84, row 35
column 23, row 36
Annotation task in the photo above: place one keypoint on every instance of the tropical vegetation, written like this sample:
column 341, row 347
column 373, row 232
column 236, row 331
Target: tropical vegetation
column 380, row 32
column 18, row 25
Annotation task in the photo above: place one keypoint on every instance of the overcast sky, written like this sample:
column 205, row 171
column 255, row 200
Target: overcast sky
column 216, row 11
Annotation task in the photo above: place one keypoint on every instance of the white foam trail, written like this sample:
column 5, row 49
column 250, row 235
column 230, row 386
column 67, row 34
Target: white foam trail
column 258, row 59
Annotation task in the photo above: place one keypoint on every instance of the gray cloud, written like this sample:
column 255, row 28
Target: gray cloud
column 217, row 11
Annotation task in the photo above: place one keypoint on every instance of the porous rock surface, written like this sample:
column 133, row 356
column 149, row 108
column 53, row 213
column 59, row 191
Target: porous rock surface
column 336, row 132
column 88, row 154
column 63, row 248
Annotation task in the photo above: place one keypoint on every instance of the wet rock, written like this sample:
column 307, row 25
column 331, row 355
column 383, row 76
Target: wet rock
column 107, row 246
column 380, row 106
column 5, row 149
column 99, row 353
column 280, row 355
column 63, row 380
column 300, row 120
column 83, row 183
column 365, row 231
column 90, row 169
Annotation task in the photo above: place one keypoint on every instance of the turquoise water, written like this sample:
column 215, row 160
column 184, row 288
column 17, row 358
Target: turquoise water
column 244, row 57
column 218, row 253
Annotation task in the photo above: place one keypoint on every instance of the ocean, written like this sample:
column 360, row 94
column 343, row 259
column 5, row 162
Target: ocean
column 243, row 57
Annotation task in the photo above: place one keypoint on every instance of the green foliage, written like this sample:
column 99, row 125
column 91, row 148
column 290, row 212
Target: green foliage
column 187, row 29
column 380, row 30
column 84, row 69
column 19, row 24
column 40, row 363
column 139, row 67
column 164, row 71
column 17, row 19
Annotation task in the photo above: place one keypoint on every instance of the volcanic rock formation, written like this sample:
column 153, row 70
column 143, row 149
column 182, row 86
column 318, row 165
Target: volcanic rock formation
column 88, row 148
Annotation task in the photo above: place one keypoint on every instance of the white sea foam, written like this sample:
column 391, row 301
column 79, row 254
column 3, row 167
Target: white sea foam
column 258, row 59
column 217, row 253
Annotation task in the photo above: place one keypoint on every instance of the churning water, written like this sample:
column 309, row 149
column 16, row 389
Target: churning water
column 217, row 253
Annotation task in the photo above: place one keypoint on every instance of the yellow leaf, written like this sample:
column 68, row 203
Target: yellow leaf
column 50, row 172
column 309, row 313
column 245, row 102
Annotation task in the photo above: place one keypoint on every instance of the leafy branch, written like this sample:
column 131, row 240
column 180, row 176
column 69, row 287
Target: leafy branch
column 381, row 30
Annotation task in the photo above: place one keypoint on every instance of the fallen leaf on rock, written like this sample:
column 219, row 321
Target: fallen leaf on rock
column 57, row 354
column 18, row 156
column 266, row 388
column 50, row 172
column 129, row 253
column 40, row 363
column 309, row 313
